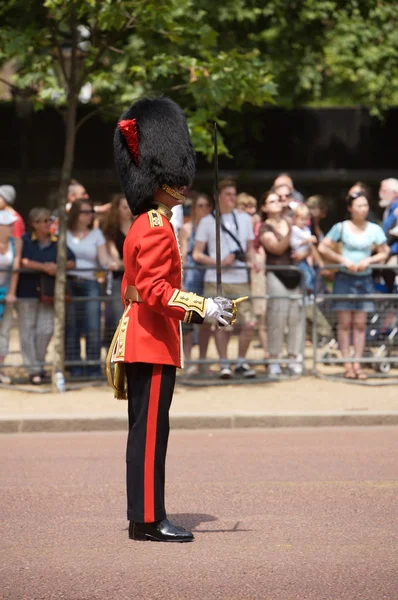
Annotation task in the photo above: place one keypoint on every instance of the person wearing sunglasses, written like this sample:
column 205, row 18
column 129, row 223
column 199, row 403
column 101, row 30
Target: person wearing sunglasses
column 363, row 244
column 358, row 189
column 83, row 318
column 285, row 179
column 283, row 287
column 288, row 203
column 35, row 292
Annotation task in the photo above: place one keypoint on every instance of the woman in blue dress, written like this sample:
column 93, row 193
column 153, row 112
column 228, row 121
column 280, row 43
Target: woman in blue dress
column 358, row 238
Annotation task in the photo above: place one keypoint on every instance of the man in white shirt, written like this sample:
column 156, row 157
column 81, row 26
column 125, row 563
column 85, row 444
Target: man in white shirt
column 236, row 252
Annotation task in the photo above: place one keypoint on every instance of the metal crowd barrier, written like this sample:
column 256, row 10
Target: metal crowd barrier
column 380, row 352
column 380, row 356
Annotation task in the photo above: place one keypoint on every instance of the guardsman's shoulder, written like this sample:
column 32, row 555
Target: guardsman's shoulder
column 155, row 219
column 149, row 222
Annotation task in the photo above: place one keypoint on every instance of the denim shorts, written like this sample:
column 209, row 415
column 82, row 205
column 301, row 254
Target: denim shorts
column 357, row 285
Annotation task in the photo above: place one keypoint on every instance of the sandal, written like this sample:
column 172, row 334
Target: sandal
column 361, row 375
column 349, row 373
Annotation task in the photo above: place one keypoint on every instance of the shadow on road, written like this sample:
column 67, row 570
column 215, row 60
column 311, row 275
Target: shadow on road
column 192, row 521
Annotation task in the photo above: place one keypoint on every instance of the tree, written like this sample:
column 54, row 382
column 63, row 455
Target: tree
column 124, row 49
column 331, row 52
column 208, row 56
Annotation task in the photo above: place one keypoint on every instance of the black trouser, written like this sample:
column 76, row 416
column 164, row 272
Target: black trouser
column 150, row 391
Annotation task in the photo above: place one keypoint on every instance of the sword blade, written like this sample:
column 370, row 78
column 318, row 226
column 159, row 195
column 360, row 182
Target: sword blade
column 218, row 216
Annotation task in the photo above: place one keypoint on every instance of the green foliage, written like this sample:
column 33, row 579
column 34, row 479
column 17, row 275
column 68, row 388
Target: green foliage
column 208, row 56
column 333, row 52
column 127, row 48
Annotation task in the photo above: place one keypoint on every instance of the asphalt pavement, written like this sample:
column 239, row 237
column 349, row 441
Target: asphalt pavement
column 278, row 514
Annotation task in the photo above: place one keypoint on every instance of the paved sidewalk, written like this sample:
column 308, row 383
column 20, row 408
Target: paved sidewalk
column 307, row 401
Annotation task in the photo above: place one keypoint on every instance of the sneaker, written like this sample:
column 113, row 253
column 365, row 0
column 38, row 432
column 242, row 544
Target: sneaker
column 225, row 372
column 295, row 369
column 274, row 370
column 192, row 370
column 244, row 370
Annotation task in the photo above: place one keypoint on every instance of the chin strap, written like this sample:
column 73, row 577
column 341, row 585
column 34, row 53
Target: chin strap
column 166, row 188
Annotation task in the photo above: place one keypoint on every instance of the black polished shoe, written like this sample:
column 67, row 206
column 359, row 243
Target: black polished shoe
column 159, row 531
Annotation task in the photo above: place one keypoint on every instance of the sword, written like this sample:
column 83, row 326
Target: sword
column 217, row 216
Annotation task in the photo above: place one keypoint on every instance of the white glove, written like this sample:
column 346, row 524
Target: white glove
column 218, row 308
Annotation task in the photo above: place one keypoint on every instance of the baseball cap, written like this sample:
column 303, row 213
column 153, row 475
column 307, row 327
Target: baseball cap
column 8, row 193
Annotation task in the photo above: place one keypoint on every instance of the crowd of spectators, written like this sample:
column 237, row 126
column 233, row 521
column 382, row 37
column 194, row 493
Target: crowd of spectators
column 273, row 250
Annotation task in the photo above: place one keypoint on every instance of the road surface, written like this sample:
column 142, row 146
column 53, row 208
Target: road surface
column 280, row 514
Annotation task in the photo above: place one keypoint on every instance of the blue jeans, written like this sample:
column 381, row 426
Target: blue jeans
column 309, row 275
column 83, row 319
column 359, row 285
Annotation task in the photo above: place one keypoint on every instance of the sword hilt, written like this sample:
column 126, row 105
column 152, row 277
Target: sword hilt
column 235, row 308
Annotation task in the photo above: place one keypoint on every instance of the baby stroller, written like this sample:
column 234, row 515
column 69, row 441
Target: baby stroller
column 382, row 332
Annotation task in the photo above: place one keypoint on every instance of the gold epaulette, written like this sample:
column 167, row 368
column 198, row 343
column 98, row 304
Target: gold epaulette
column 190, row 302
column 155, row 218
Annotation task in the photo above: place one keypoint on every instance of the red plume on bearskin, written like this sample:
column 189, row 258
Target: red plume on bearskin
column 128, row 127
column 154, row 133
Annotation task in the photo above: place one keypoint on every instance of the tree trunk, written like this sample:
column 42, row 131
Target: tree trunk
column 69, row 153
column 60, row 280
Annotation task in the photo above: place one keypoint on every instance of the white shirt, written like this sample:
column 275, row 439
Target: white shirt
column 297, row 236
column 177, row 219
column 85, row 250
column 242, row 228
column 6, row 262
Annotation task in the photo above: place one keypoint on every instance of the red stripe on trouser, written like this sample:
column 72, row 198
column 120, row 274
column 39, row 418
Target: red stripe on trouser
column 150, row 445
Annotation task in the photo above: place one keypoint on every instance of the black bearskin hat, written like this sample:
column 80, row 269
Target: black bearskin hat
column 152, row 149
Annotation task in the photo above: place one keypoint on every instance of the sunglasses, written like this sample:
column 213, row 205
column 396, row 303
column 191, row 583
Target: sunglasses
column 284, row 196
column 355, row 195
column 87, row 212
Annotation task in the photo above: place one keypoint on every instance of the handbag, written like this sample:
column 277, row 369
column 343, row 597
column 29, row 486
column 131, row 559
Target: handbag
column 290, row 279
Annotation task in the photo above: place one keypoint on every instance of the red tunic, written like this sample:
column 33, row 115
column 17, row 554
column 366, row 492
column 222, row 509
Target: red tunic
column 150, row 330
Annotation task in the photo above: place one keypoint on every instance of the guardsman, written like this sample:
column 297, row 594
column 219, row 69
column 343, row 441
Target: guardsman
column 155, row 162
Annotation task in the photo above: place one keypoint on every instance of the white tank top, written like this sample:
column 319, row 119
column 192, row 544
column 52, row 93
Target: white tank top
column 6, row 261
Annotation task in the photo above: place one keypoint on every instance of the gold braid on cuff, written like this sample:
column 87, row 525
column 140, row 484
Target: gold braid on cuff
column 190, row 302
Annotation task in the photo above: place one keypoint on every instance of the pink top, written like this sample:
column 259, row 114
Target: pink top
column 19, row 226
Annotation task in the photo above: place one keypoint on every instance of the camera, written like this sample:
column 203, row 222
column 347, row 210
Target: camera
column 240, row 255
